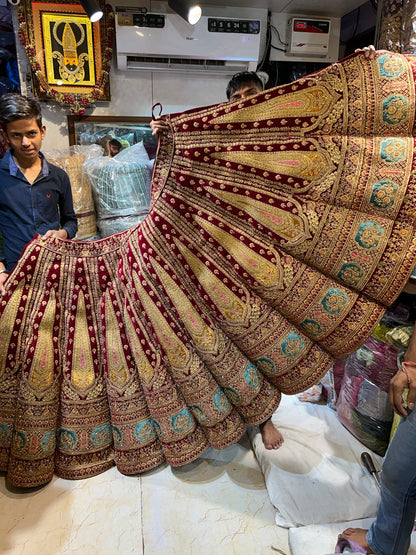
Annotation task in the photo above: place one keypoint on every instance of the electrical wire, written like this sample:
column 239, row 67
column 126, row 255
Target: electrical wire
column 276, row 48
column 276, row 30
column 267, row 45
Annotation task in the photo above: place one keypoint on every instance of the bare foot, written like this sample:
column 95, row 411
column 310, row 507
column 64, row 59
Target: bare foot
column 357, row 535
column 270, row 435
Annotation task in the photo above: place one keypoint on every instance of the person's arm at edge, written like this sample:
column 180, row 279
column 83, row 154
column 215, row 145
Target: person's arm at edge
column 405, row 379
column 4, row 274
column 158, row 125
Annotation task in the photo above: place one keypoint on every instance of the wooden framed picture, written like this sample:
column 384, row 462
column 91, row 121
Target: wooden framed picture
column 70, row 57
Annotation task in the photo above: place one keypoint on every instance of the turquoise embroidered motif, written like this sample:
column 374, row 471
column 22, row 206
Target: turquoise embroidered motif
column 292, row 345
column 393, row 150
column 395, row 109
column 67, row 439
column 49, row 441
column 4, row 432
column 221, row 401
column 350, row 274
column 251, row 375
column 182, row 422
column 390, row 66
column 311, row 327
column 266, row 365
column 384, row 193
column 145, row 430
column 369, row 235
column 101, row 435
column 334, row 301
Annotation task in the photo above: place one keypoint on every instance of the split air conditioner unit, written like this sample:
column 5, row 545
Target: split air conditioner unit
column 217, row 44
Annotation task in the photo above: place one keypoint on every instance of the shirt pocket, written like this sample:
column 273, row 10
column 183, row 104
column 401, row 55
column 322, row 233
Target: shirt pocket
column 45, row 203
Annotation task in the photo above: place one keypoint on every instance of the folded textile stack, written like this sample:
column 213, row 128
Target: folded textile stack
column 71, row 160
column 121, row 188
column 363, row 404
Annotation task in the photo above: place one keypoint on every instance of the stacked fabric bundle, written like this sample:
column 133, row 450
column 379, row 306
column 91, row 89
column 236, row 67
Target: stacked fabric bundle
column 121, row 188
column 71, row 160
column 363, row 405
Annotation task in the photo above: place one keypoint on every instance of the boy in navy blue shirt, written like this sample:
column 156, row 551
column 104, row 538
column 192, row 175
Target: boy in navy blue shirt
column 35, row 196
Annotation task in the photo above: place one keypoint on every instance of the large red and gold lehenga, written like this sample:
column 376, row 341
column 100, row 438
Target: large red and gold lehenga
column 280, row 228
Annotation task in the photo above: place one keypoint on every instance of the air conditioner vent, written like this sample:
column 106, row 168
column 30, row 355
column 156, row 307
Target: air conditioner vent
column 165, row 63
column 177, row 61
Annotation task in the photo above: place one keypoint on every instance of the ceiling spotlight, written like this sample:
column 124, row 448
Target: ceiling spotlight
column 92, row 9
column 190, row 12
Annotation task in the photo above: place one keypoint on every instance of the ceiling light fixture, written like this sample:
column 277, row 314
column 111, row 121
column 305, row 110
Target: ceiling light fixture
column 190, row 12
column 92, row 9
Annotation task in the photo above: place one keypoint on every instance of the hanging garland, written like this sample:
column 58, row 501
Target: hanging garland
column 77, row 102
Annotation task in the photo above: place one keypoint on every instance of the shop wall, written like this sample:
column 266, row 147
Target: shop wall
column 133, row 93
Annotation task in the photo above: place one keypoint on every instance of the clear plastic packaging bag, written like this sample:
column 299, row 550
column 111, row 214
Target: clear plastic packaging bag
column 363, row 405
column 108, row 226
column 71, row 160
column 121, row 188
column 328, row 385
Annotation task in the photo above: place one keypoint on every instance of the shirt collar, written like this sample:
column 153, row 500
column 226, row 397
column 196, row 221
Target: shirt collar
column 14, row 169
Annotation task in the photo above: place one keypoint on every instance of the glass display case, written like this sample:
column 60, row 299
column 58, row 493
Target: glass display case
column 129, row 130
column 111, row 193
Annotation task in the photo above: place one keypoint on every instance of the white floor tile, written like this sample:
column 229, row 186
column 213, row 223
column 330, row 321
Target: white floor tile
column 217, row 505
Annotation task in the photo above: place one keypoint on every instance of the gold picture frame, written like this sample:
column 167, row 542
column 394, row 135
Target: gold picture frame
column 62, row 59
column 69, row 59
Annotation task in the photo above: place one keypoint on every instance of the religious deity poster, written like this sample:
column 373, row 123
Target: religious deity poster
column 69, row 49
column 69, row 61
